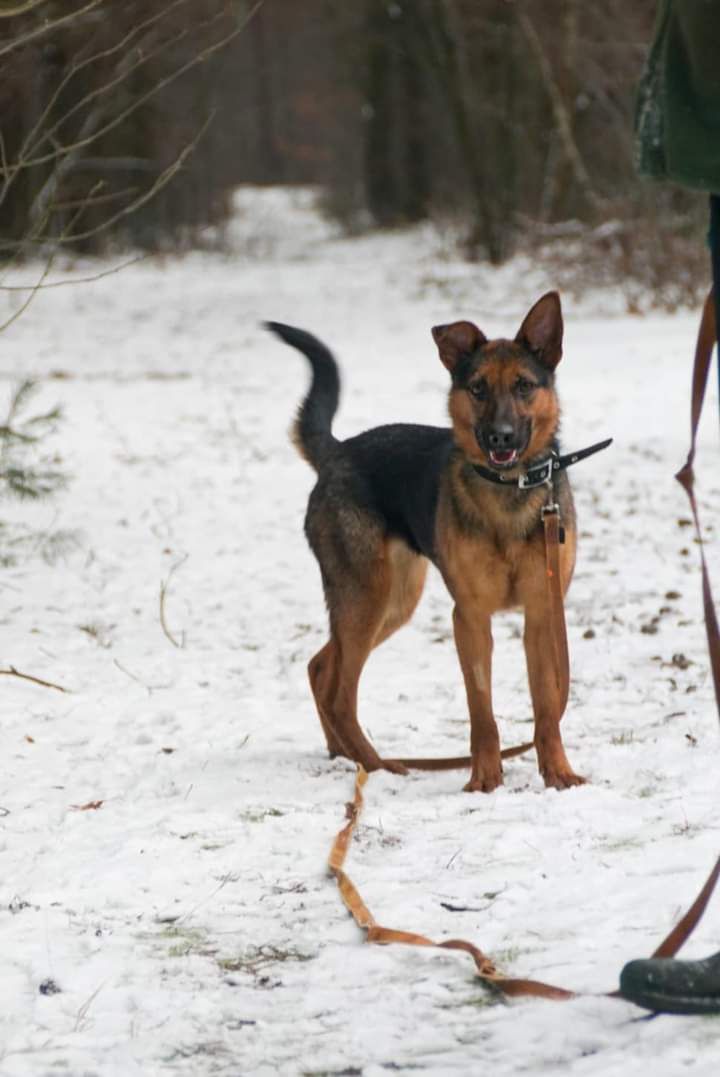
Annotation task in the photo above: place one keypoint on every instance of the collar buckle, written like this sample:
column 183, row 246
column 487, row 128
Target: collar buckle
column 538, row 475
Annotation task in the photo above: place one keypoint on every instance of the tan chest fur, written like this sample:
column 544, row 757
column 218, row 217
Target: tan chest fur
column 492, row 557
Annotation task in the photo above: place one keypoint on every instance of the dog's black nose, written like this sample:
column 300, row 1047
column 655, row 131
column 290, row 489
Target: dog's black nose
column 501, row 437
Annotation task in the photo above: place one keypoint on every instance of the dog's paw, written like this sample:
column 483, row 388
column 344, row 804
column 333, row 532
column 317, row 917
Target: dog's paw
column 562, row 779
column 483, row 783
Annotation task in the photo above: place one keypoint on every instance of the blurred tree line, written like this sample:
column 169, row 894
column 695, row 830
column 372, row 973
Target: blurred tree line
column 510, row 118
column 108, row 111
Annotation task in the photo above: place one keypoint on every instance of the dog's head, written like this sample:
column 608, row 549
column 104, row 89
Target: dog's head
column 502, row 402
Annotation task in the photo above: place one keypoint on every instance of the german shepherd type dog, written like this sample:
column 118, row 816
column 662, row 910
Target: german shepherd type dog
column 391, row 499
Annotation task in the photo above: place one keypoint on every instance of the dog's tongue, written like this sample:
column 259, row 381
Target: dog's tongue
column 503, row 457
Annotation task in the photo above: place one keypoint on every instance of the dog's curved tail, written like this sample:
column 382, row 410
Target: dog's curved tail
column 312, row 432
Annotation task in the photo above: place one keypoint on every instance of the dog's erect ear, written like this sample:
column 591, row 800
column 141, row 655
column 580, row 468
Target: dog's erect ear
column 455, row 340
column 542, row 331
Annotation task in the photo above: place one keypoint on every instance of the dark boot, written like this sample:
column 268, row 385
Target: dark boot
column 668, row 985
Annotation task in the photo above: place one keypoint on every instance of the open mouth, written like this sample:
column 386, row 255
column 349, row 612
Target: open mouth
column 503, row 457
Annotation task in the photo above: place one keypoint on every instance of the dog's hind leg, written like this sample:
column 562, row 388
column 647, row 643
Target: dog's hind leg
column 323, row 682
column 354, row 641
column 363, row 615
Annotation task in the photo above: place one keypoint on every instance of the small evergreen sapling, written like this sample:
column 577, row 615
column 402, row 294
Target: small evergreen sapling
column 25, row 471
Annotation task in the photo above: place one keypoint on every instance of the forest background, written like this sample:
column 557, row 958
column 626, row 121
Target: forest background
column 507, row 123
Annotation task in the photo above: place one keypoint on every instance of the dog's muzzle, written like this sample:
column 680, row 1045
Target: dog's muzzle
column 503, row 443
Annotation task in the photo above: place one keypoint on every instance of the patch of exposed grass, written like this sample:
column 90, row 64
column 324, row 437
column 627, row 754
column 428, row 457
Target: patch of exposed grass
column 187, row 940
column 257, row 958
column 259, row 815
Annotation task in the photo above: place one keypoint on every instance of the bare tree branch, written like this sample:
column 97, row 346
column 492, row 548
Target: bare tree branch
column 142, row 55
column 46, row 269
column 48, row 26
column 68, row 124
column 24, row 306
column 20, row 9
column 74, row 280
column 560, row 113
column 162, row 181
column 199, row 57
column 77, row 68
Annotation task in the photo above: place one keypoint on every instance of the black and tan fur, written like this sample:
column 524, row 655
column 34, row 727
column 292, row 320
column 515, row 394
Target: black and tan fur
column 394, row 498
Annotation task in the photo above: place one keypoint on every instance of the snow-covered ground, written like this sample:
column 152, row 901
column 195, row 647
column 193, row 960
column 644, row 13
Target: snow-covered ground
column 188, row 921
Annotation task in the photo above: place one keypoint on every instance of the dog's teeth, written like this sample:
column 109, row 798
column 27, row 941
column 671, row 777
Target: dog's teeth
column 508, row 457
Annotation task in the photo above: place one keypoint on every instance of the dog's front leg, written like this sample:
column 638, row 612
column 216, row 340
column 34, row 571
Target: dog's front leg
column 473, row 639
column 552, row 761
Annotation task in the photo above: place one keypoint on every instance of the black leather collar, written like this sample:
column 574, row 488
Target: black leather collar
column 542, row 473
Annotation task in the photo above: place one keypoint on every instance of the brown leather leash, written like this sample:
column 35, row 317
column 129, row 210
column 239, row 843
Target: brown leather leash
column 384, row 935
column 457, row 762
column 486, row 970
column 484, row 965
column 556, row 606
column 707, row 335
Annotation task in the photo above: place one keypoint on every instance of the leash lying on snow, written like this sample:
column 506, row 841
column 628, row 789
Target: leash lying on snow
column 539, row 475
column 670, row 945
column 486, row 970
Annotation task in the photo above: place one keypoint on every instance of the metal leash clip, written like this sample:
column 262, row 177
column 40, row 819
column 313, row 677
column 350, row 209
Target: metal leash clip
column 552, row 508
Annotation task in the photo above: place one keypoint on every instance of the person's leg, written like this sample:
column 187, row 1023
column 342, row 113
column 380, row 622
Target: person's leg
column 663, row 984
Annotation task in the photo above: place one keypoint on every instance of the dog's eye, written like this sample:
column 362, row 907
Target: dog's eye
column 479, row 389
column 523, row 386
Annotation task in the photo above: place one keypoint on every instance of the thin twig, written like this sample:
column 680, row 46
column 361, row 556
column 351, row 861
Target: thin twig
column 12, row 672
column 83, row 1011
column 96, row 123
column 149, row 688
column 74, row 280
column 75, row 68
column 99, row 200
column 129, row 64
column 31, row 237
column 20, row 9
column 163, row 592
column 162, row 180
column 199, row 57
column 26, row 303
column 48, row 266
column 20, row 247
column 47, row 26
column 3, row 160
column 229, row 877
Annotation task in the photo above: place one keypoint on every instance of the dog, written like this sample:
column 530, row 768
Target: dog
column 394, row 498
